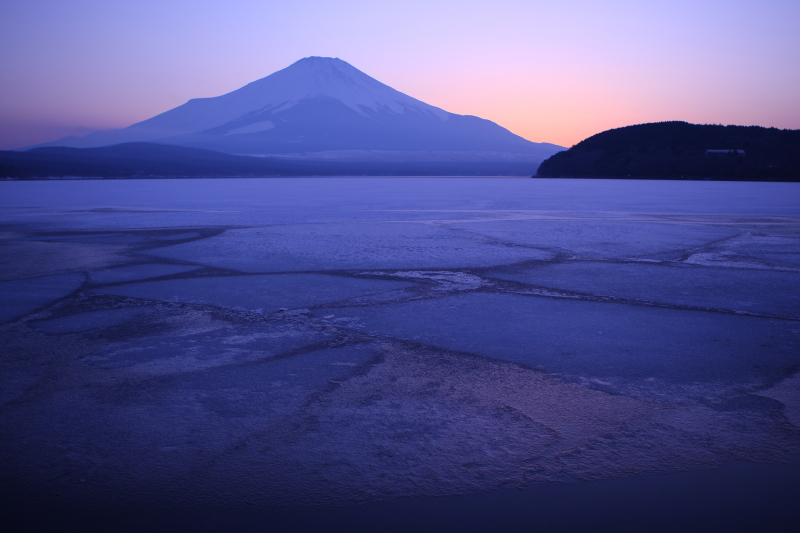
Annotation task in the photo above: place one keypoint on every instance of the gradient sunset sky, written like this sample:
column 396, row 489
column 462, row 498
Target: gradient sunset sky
column 550, row 71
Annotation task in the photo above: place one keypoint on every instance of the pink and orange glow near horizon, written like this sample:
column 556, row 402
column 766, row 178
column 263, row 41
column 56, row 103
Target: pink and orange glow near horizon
column 550, row 71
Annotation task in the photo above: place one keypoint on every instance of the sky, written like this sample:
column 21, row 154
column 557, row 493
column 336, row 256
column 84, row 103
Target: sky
column 551, row 71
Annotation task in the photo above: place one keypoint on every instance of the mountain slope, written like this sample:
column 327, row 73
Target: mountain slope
column 315, row 105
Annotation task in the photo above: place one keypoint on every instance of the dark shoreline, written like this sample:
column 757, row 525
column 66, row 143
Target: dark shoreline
column 791, row 179
column 278, row 176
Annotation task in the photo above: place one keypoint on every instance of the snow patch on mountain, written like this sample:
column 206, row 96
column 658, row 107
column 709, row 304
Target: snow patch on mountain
column 255, row 127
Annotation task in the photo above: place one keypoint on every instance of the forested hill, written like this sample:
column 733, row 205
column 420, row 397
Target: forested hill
column 679, row 150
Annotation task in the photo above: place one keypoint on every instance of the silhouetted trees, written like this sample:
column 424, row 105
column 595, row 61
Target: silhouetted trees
column 679, row 150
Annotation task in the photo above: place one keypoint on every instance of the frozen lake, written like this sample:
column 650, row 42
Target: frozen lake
column 280, row 345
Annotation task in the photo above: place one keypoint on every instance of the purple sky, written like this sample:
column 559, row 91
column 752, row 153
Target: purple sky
column 555, row 70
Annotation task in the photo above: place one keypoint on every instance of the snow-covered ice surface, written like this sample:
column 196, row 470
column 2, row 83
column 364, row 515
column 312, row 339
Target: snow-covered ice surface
column 338, row 246
column 87, row 321
column 137, row 272
column 19, row 297
column 599, row 341
column 751, row 290
column 260, row 293
column 296, row 343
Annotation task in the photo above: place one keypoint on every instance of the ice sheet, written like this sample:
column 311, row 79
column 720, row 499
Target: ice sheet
column 132, row 273
column 759, row 291
column 788, row 393
column 347, row 246
column 267, row 293
column 180, row 346
column 179, row 236
column 589, row 339
column 88, row 321
column 28, row 259
column 408, row 362
column 787, row 259
column 274, row 388
column 407, row 193
column 20, row 297
column 107, row 238
column 600, row 238
column 113, row 204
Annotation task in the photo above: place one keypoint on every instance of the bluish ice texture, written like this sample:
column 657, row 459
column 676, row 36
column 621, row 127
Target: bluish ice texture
column 595, row 340
column 99, row 238
column 787, row 259
column 605, row 238
column 133, row 273
column 267, row 293
column 373, row 245
column 772, row 292
column 179, row 236
column 20, row 297
column 293, row 343
column 112, row 204
column 276, row 388
column 202, row 346
column 88, row 321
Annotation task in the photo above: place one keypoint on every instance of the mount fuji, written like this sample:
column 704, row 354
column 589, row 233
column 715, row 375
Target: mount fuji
column 322, row 108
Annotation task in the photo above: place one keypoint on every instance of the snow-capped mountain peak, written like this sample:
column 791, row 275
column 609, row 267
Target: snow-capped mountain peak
column 310, row 77
column 331, row 77
column 322, row 105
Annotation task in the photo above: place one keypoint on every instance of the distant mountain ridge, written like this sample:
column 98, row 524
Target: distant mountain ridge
column 153, row 160
column 317, row 105
column 679, row 150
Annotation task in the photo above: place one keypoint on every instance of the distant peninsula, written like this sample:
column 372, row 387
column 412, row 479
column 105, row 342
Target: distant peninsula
column 679, row 150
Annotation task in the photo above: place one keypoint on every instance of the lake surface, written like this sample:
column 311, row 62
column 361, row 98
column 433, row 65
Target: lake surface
column 329, row 353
